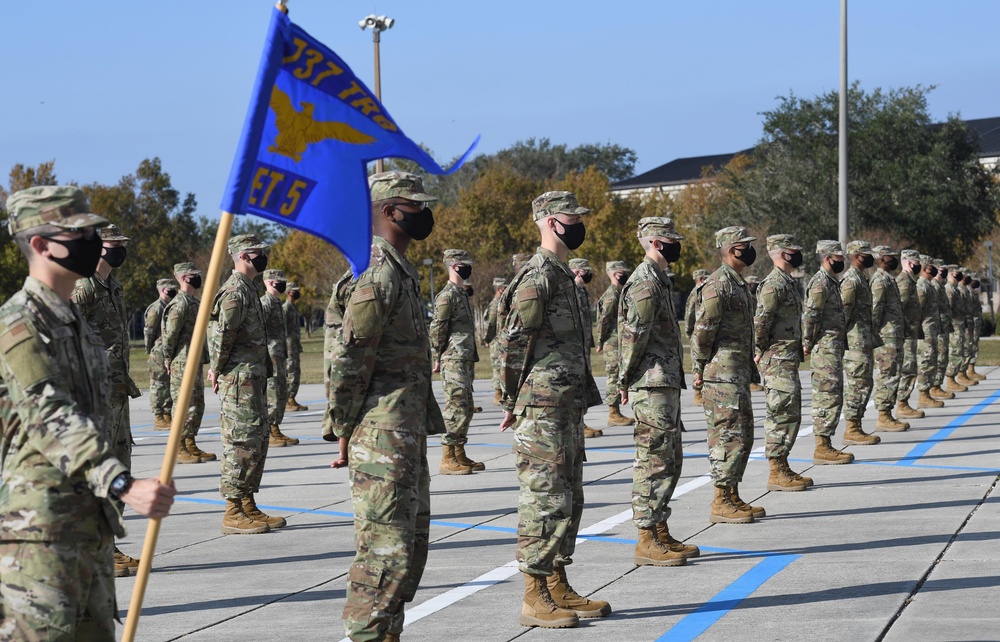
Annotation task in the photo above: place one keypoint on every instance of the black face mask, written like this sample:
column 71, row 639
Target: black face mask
column 958, row 277
column 943, row 273
column 572, row 235
column 967, row 280
column 932, row 271
column 417, row 225
column 114, row 256
column 795, row 260
column 976, row 284
column 915, row 268
column 867, row 260
column 194, row 281
column 670, row 252
column 464, row 271
column 295, row 296
column 622, row 280
column 837, row 266
column 891, row 265
column 259, row 262
column 84, row 254
column 587, row 278
column 469, row 292
column 280, row 286
column 171, row 294
column 747, row 256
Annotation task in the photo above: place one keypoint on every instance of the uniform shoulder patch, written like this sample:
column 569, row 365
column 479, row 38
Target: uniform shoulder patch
column 17, row 333
column 526, row 294
column 642, row 293
column 366, row 293
column 709, row 290
column 229, row 304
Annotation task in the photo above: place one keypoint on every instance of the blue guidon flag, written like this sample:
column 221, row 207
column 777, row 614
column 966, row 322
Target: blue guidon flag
column 310, row 131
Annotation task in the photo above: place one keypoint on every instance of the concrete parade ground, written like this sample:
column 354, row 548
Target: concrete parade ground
column 900, row 545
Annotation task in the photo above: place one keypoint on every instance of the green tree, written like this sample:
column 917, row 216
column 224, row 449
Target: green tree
column 13, row 267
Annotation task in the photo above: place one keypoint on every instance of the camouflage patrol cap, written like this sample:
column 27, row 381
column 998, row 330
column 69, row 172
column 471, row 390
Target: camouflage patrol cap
column 782, row 242
column 699, row 273
column 292, row 287
column 971, row 274
column 951, row 267
column 938, row 263
column 658, row 226
column 165, row 283
column 883, row 250
column 829, row 247
column 926, row 260
column 396, row 184
column 518, row 260
column 910, row 255
column 112, row 233
column 551, row 203
column 451, row 257
column 274, row 275
column 60, row 206
column 580, row 264
column 615, row 266
column 859, row 247
column 732, row 235
column 499, row 282
column 246, row 243
column 186, row 267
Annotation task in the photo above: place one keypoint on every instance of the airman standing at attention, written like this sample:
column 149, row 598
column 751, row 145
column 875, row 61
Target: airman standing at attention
column 969, row 303
column 102, row 302
column 824, row 334
column 753, row 283
column 944, row 331
column 275, row 285
column 490, row 334
column 930, row 320
column 453, row 346
column 159, row 379
column 177, row 327
column 722, row 353
column 61, row 486
column 778, row 353
column 583, row 274
column 856, row 296
column 888, row 324
column 651, row 373
column 906, row 281
column 607, row 339
column 293, row 346
column 381, row 410
column 690, row 313
column 238, row 372
column 958, row 308
column 975, row 327
column 547, row 387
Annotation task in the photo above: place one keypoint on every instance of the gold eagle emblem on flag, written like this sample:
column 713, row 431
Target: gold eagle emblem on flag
column 297, row 129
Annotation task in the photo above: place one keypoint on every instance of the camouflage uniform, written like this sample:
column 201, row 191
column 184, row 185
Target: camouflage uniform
column 889, row 325
column 274, row 328
column 583, row 301
column 333, row 322
column 944, row 326
column 56, row 464
column 691, row 313
column 930, row 321
column 237, row 350
column 490, row 333
column 159, row 380
column 177, row 327
column 546, row 382
column 722, row 354
column 856, row 297
column 976, row 307
column 381, row 400
column 906, row 282
column 958, row 309
column 607, row 331
column 102, row 303
column 823, row 336
column 778, row 344
column 453, row 345
column 652, row 369
column 293, row 344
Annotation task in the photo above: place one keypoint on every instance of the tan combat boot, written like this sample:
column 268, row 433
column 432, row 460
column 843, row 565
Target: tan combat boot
column 291, row 405
column 904, row 409
column 756, row 387
column 756, row 511
column 124, row 564
column 236, row 521
column 965, row 380
column 193, row 449
column 954, row 386
column 161, row 423
column 450, row 464
column 539, row 609
column 589, row 432
column 391, row 637
column 289, row 441
column 675, row 545
column 972, row 374
column 937, row 393
column 825, row 453
column 782, row 479
column 855, row 435
column 616, row 418
column 724, row 511
column 564, row 596
column 805, row 480
column 887, row 423
column 184, row 456
column 650, row 551
column 698, row 399
column 465, row 461
column 496, row 397
column 273, row 440
column 925, row 400
column 257, row 515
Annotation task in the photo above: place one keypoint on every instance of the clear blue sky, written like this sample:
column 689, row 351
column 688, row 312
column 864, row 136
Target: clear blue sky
column 100, row 86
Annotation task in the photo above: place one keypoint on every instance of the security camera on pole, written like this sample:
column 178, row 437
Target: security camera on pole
column 377, row 24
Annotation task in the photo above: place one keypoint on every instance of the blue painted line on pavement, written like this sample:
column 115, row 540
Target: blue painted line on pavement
column 922, row 449
column 699, row 621
column 895, row 464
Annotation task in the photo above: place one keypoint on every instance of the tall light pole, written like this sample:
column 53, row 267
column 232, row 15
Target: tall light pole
column 842, row 198
column 377, row 24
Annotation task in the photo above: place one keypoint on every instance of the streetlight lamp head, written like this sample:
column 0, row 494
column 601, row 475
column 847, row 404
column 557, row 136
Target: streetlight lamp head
column 386, row 21
column 365, row 23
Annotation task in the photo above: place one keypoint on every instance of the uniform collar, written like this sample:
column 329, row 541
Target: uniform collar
column 61, row 309
column 397, row 257
column 554, row 258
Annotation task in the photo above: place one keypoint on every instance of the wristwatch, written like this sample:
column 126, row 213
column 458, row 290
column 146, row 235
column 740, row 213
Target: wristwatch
column 120, row 485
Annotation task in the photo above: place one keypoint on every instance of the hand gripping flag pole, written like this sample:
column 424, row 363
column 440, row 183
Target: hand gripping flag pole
column 219, row 254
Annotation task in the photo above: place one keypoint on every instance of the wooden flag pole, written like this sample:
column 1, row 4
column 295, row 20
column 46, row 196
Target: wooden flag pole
column 219, row 253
